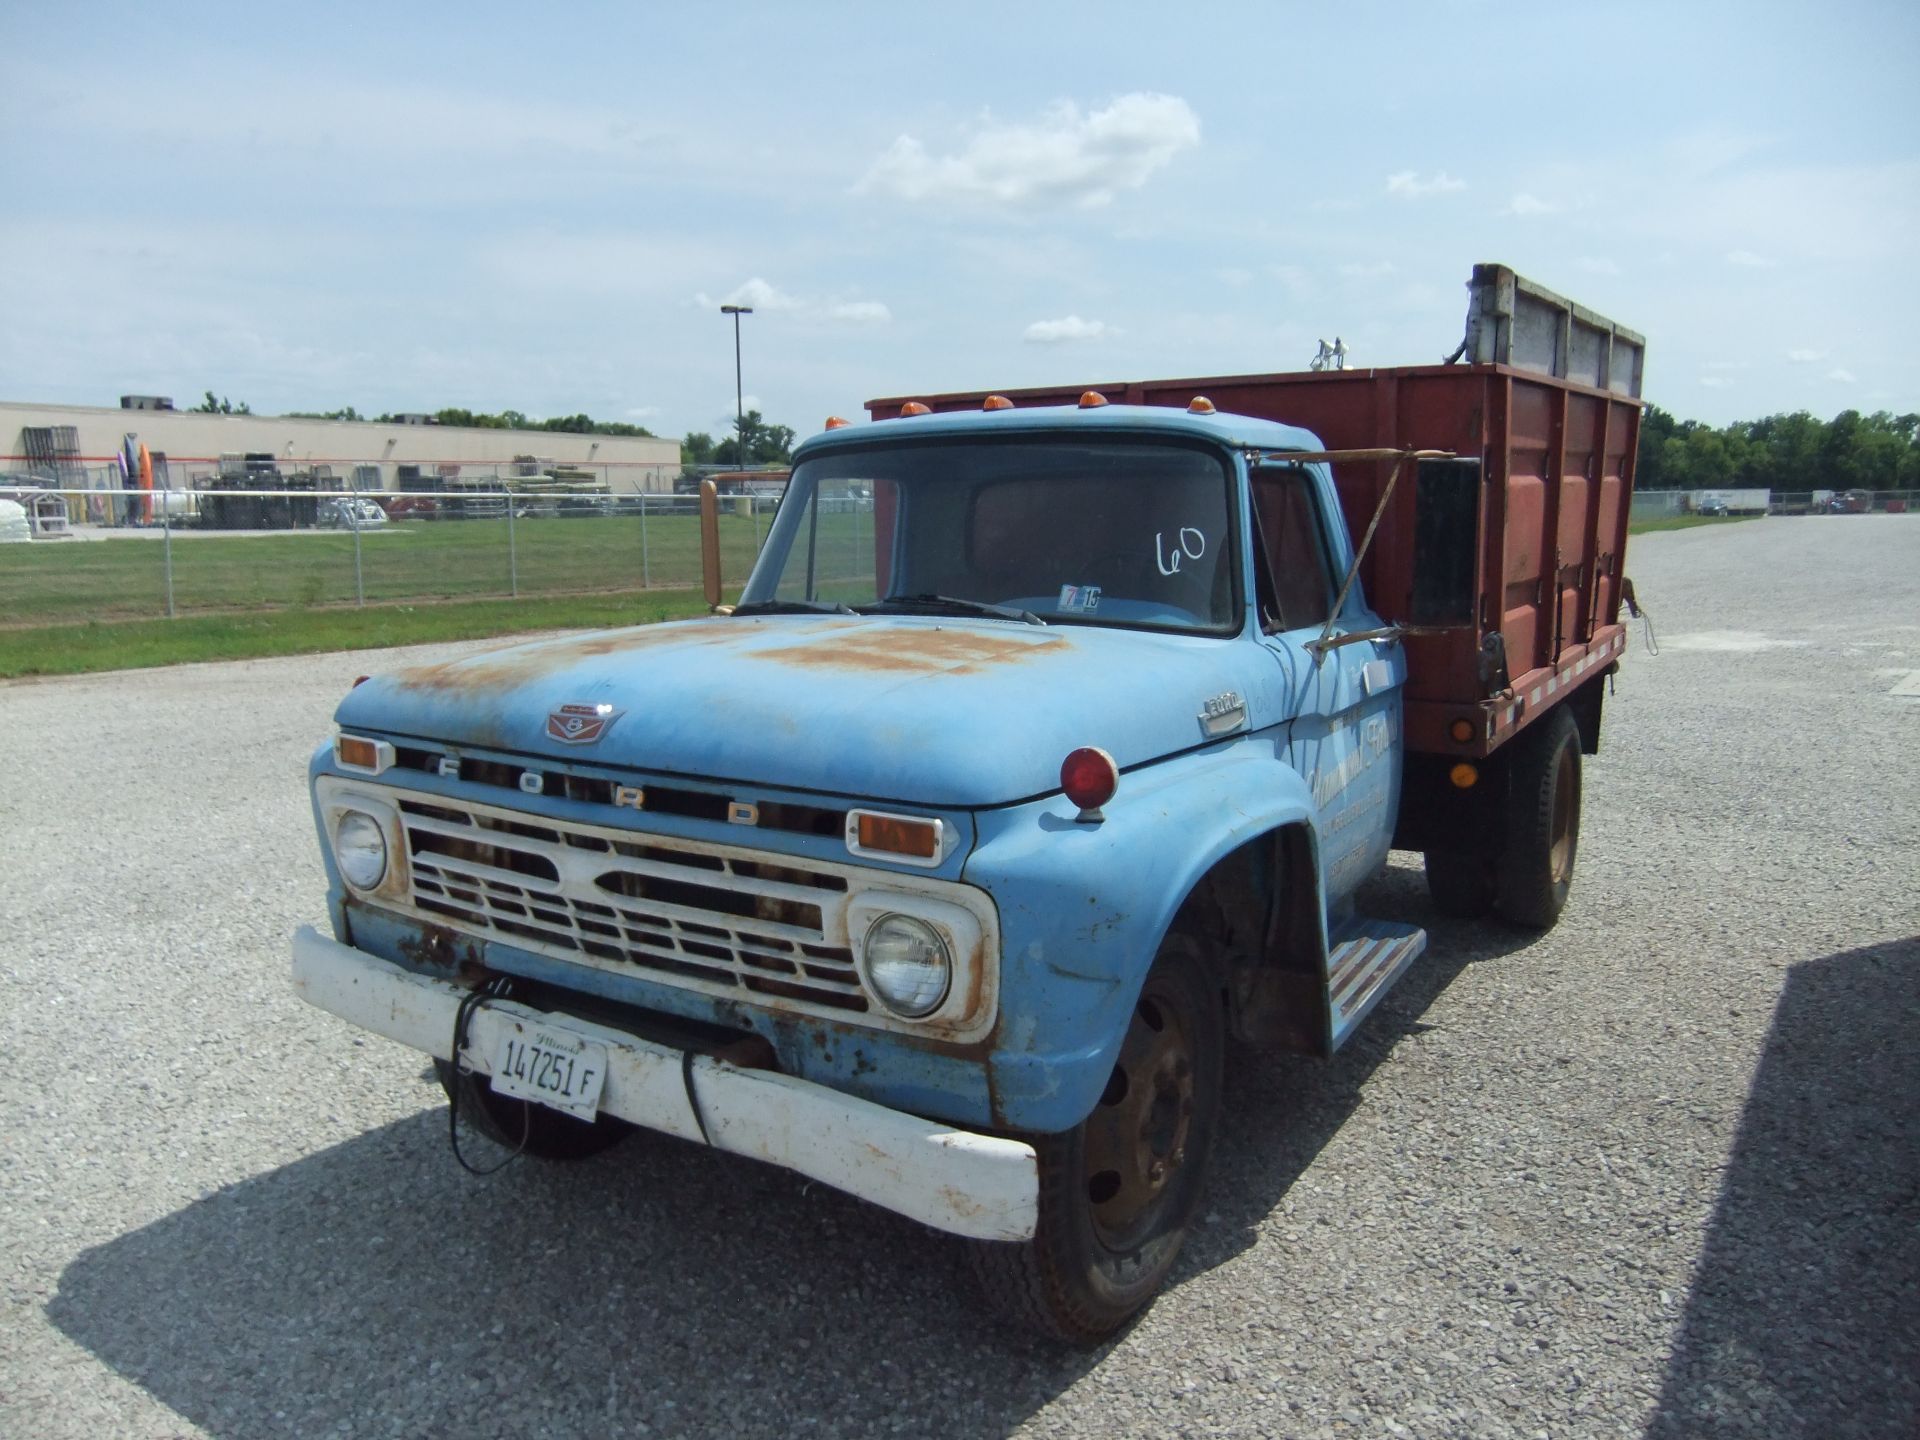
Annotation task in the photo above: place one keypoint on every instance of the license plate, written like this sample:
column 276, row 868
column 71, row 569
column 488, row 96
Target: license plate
column 550, row 1067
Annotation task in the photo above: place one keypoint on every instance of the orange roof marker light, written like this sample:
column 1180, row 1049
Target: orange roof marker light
column 996, row 402
column 914, row 407
column 834, row 422
column 1200, row 405
column 1092, row 400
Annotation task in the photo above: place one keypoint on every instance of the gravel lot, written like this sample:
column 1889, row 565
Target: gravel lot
column 1652, row 1174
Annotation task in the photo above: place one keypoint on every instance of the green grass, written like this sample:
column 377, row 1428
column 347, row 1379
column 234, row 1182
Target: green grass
column 1683, row 522
column 136, row 644
column 125, row 577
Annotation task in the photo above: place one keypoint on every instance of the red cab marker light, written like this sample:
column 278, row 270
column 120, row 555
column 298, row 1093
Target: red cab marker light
column 834, row 422
column 996, row 402
column 1089, row 777
column 1092, row 400
column 915, row 407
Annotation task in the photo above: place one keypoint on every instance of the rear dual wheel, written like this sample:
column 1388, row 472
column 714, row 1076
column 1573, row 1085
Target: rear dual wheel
column 1524, row 871
column 1118, row 1192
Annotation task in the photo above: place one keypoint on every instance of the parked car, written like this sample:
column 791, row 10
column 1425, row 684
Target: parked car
column 351, row 513
column 413, row 507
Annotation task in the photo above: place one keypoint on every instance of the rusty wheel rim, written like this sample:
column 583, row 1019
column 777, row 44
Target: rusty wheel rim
column 1138, row 1135
column 1560, row 855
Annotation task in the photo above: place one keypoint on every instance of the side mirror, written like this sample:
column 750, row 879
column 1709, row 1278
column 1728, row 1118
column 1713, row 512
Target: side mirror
column 710, row 542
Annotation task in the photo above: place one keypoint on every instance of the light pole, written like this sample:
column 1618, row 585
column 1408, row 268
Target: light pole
column 739, row 411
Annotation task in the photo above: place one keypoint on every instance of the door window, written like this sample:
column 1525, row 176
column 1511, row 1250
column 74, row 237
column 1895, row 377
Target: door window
column 1299, row 588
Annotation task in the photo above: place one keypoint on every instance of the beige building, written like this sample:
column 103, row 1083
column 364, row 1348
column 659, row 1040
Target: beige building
column 91, row 437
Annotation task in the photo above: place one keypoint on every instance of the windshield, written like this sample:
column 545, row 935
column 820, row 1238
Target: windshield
column 1108, row 532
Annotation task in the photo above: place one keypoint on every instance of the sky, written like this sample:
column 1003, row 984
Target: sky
column 407, row 207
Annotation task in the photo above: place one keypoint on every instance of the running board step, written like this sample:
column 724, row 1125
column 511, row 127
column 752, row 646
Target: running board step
column 1366, row 958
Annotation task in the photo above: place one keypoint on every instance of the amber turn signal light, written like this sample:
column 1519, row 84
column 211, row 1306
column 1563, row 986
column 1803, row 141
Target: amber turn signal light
column 1464, row 776
column 1461, row 730
column 899, row 835
column 368, row 757
column 355, row 751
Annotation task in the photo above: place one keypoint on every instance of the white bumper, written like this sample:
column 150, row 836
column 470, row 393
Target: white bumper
column 980, row 1186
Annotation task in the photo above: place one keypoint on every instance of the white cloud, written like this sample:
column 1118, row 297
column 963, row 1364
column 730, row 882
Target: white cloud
column 1235, row 276
column 861, row 312
column 1066, row 158
column 1596, row 265
column 1294, row 277
column 642, row 412
column 1716, row 382
column 1409, row 186
column 1369, row 270
column 1845, row 377
column 756, row 294
column 1072, row 327
column 1748, row 259
column 1806, row 357
column 1526, row 205
column 763, row 297
column 1729, row 365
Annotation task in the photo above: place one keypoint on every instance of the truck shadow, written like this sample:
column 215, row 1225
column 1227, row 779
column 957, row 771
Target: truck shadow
column 375, row 1287
column 1804, row 1316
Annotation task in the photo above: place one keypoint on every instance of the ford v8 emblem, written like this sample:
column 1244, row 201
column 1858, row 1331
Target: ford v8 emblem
column 580, row 724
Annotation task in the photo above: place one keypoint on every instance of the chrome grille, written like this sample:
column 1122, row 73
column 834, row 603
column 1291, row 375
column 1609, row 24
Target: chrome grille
column 711, row 917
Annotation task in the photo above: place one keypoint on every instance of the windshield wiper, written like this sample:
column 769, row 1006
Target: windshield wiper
column 950, row 604
column 793, row 607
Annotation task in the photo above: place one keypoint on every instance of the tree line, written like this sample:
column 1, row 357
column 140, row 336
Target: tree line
column 1780, row 452
column 766, row 444
column 472, row 419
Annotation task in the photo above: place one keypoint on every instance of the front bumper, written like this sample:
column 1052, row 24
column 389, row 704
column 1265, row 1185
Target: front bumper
column 981, row 1186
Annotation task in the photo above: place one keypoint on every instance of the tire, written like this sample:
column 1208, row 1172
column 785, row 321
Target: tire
column 1118, row 1191
column 522, row 1125
column 1543, row 825
column 1462, row 882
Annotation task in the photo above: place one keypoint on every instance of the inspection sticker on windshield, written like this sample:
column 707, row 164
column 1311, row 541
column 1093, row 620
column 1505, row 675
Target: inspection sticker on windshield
column 1081, row 599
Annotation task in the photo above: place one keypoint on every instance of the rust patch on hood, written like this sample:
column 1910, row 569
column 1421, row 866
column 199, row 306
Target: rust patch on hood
column 507, row 669
column 913, row 650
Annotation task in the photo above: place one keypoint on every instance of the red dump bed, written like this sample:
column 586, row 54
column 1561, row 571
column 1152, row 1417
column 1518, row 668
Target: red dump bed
column 1508, row 578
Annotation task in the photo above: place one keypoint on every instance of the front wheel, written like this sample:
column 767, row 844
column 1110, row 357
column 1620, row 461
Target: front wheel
column 538, row 1131
column 1118, row 1191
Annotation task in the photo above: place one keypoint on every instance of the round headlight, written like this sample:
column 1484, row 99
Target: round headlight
column 906, row 965
column 360, row 846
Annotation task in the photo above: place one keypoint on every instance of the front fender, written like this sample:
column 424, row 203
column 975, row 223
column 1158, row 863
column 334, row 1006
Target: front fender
column 1083, row 909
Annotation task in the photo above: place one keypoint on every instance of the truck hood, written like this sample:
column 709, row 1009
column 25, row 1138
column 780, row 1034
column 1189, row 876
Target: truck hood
column 939, row 712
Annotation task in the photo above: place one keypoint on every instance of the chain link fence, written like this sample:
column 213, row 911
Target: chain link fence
column 125, row 554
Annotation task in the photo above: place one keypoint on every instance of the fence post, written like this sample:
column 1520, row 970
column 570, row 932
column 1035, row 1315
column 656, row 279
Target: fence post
column 166, row 542
column 359, row 585
column 513, row 554
column 646, row 563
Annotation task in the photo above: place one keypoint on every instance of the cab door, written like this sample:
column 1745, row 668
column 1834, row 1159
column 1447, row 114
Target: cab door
column 1347, row 698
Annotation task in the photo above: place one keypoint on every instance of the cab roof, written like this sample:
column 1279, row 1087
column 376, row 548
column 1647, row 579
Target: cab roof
column 1238, row 431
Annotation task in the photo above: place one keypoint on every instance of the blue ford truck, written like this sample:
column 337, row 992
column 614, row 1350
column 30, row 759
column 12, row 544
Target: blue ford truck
column 1044, row 751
